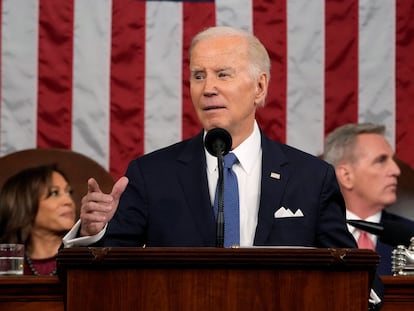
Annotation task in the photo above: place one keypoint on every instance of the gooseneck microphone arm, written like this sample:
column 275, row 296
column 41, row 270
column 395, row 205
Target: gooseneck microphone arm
column 218, row 143
column 370, row 227
column 390, row 232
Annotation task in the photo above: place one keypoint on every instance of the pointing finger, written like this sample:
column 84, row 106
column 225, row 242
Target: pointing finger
column 93, row 186
column 119, row 188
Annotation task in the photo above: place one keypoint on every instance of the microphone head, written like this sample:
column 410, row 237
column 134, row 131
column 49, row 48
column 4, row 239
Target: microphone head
column 218, row 141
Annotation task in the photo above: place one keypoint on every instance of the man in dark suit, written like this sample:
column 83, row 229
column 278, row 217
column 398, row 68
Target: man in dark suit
column 401, row 229
column 287, row 197
column 367, row 174
column 167, row 201
column 293, row 198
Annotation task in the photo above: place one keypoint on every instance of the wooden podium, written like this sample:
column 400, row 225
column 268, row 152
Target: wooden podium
column 30, row 293
column 398, row 293
column 181, row 279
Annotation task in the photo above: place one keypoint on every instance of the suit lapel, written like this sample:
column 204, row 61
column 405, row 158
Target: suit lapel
column 275, row 175
column 192, row 177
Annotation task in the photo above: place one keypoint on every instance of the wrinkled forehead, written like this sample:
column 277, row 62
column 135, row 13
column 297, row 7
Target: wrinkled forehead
column 370, row 145
column 219, row 51
column 372, row 141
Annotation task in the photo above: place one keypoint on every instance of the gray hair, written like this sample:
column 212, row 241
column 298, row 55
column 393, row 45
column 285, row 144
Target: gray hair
column 340, row 143
column 258, row 55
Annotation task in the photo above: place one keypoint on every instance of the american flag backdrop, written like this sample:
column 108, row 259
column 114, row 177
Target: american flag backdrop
column 109, row 78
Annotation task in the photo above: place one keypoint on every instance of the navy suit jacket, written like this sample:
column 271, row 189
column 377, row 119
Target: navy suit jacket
column 167, row 201
column 385, row 250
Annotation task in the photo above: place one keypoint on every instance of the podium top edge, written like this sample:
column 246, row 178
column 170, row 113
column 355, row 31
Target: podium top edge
column 205, row 257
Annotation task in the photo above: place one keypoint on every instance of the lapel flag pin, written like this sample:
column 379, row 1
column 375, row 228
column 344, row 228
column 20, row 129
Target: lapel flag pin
column 275, row 175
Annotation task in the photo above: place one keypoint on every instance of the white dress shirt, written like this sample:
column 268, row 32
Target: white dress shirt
column 355, row 232
column 373, row 297
column 248, row 171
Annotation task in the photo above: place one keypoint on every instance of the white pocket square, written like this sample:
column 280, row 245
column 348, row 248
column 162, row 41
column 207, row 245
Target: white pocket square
column 285, row 213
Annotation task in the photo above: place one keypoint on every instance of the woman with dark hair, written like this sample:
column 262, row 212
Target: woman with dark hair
column 37, row 209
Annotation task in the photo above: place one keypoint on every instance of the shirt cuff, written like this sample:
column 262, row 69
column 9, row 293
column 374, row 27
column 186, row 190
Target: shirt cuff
column 71, row 239
column 373, row 298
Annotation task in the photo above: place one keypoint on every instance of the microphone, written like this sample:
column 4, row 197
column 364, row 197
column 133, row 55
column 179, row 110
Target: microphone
column 218, row 143
column 389, row 232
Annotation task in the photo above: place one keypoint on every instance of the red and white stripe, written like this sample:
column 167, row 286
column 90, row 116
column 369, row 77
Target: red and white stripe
column 108, row 78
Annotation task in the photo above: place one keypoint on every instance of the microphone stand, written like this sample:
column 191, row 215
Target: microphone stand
column 218, row 143
column 220, row 201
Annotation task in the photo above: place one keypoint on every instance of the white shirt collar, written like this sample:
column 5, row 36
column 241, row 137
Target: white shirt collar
column 246, row 152
column 373, row 218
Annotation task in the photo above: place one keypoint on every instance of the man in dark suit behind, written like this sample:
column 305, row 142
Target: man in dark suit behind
column 287, row 197
column 367, row 174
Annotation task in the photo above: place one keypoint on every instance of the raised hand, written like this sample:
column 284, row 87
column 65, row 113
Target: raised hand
column 98, row 208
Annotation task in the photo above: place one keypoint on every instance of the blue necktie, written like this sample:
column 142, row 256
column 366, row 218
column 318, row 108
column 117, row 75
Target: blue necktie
column 231, row 203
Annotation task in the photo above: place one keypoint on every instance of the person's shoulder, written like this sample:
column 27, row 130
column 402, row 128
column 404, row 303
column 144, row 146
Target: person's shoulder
column 389, row 216
column 294, row 154
column 173, row 151
column 300, row 153
column 398, row 230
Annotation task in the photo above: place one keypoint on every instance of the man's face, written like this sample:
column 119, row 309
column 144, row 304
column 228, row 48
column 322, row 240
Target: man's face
column 375, row 173
column 223, row 91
